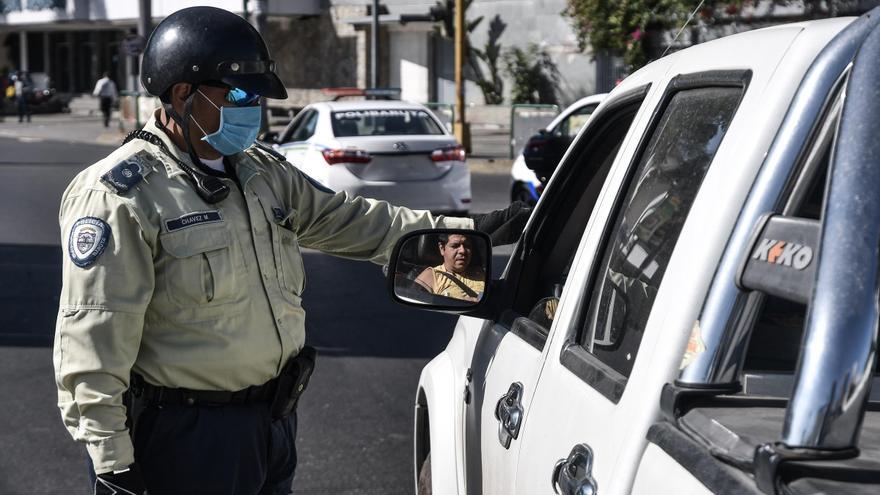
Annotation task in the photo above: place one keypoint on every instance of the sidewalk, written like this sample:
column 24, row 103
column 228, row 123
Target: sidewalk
column 89, row 129
column 70, row 127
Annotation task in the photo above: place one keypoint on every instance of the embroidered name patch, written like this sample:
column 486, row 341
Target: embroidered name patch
column 191, row 219
column 123, row 176
column 88, row 239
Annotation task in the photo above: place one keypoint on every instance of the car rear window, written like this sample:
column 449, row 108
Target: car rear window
column 383, row 123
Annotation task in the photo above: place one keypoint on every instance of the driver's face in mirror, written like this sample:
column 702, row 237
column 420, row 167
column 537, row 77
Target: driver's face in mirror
column 457, row 252
column 455, row 277
column 443, row 269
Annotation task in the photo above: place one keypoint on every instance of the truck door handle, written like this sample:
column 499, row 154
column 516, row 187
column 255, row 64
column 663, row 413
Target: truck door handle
column 574, row 475
column 509, row 413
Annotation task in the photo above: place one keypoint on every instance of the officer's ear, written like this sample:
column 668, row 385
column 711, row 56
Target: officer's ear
column 179, row 93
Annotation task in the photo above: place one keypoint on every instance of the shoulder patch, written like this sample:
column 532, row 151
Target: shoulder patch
column 123, row 176
column 89, row 237
column 270, row 151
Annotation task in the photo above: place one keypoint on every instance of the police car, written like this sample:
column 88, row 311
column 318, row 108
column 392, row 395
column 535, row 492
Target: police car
column 549, row 144
column 383, row 149
column 692, row 307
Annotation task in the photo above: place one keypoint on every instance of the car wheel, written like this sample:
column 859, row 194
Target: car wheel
column 520, row 192
column 424, row 486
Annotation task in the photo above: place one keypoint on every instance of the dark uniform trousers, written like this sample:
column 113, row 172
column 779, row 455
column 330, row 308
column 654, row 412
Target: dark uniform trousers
column 229, row 449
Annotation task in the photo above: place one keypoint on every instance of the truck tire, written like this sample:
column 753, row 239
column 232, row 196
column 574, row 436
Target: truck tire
column 424, row 486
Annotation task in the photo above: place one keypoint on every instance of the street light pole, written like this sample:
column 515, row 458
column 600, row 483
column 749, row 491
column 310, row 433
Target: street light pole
column 459, row 126
column 374, row 46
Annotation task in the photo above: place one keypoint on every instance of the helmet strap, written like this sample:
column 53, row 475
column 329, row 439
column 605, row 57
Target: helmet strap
column 187, row 114
column 183, row 122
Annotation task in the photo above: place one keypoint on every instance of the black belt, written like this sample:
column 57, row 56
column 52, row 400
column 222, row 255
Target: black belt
column 156, row 395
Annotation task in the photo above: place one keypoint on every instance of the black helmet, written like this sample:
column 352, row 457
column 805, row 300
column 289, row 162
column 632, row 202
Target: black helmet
column 201, row 44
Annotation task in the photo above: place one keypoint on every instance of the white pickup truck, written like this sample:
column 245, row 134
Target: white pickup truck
column 693, row 307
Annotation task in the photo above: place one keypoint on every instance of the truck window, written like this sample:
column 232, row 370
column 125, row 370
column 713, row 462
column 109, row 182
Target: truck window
column 649, row 220
column 546, row 266
column 570, row 125
column 775, row 344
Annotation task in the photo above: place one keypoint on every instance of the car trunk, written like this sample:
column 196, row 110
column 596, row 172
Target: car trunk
column 399, row 158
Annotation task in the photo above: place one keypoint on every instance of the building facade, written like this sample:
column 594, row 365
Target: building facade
column 316, row 43
column 69, row 43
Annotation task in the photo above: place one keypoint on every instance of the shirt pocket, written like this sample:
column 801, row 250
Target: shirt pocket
column 201, row 268
column 291, row 272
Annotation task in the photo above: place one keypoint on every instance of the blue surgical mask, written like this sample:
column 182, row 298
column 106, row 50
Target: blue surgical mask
column 238, row 129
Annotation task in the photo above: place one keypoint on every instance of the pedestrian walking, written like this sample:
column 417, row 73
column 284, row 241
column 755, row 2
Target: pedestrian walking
column 179, row 347
column 22, row 87
column 105, row 90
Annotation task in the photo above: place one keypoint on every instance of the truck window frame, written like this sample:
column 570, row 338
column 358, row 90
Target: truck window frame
column 574, row 356
column 572, row 186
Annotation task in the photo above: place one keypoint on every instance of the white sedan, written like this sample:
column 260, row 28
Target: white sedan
column 382, row 149
column 557, row 136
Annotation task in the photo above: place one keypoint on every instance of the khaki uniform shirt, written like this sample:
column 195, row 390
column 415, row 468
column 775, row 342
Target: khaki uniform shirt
column 444, row 284
column 190, row 294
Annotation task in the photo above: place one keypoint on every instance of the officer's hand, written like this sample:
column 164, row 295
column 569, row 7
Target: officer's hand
column 503, row 226
column 121, row 483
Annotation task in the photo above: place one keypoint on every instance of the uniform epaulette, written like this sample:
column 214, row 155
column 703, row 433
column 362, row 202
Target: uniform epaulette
column 281, row 159
column 126, row 174
column 269, row 151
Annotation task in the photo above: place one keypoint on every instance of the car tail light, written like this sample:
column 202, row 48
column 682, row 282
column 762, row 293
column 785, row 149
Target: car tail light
column 449, row 153
column 347, row 155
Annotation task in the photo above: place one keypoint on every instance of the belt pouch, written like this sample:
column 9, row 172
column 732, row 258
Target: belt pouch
column 292, row 382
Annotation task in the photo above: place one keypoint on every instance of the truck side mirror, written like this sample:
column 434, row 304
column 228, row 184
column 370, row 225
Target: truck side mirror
column 441, row 269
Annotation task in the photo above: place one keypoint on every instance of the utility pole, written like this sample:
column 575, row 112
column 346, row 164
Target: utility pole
column 374, row 46
column 459, row 126
column 258, row 20
column 144, row 28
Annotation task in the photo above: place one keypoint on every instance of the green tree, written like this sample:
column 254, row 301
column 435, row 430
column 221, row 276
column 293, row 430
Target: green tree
column 620, row 27
column 632, row 28
column 534, row 74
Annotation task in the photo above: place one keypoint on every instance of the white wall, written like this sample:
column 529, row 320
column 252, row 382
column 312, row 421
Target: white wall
column 409, row 60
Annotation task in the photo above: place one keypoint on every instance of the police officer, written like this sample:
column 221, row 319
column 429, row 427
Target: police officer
column 183, row 275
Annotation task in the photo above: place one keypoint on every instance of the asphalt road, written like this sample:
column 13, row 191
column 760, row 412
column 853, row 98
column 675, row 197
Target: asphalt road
column 355, row 423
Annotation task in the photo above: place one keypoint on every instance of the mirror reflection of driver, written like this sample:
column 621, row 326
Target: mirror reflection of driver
column 455, row 277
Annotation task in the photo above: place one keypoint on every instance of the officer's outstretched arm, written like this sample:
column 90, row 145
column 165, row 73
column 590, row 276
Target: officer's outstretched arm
column 357, row 228
column 107, row 283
